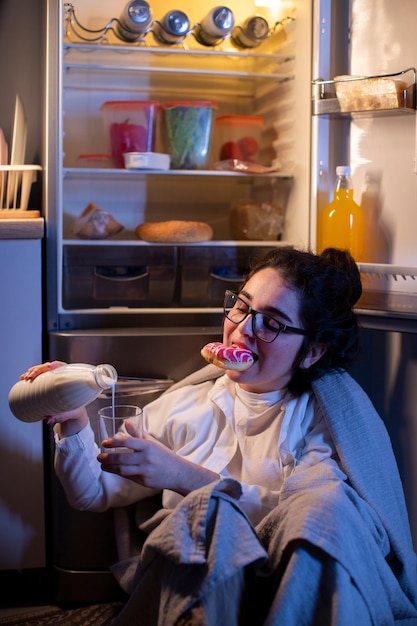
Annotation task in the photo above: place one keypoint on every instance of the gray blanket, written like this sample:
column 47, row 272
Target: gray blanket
column 330, row 553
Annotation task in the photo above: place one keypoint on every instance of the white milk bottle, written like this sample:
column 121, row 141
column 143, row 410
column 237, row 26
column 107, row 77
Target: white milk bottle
column 65, row 388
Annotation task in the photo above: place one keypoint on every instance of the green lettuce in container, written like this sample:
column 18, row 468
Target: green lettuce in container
column 188, row 127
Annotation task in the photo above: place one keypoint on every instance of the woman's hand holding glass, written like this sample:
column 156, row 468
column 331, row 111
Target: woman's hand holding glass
column 152, row 464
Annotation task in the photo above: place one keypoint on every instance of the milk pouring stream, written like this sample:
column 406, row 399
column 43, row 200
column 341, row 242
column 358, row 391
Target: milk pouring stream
column 65, row 388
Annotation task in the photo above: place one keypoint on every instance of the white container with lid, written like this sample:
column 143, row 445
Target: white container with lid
column 147, row 161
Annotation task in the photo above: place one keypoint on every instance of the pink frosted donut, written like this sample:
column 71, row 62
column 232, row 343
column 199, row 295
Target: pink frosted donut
column 227, row 358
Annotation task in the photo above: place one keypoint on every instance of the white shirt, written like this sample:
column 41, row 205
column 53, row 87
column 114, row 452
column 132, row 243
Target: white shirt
column 258, row 439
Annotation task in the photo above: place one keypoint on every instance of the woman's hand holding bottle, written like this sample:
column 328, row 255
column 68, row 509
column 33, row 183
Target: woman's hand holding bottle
column 70, row 422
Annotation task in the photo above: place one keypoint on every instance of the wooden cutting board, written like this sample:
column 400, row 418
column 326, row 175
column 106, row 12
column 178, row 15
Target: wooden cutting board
column 24, row 227
column 16, row 214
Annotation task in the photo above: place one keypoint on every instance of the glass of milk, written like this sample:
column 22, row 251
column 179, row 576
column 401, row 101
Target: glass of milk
column 111, row 421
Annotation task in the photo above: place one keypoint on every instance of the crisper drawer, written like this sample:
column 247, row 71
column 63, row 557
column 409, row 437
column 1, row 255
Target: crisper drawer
column 102, row 277
column 206, row 272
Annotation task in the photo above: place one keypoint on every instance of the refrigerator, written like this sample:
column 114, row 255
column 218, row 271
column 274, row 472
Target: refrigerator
column 148, row 308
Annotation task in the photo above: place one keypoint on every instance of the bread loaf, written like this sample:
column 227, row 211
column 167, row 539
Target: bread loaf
column 174, row 231
column 370, row 94
column 263, row 221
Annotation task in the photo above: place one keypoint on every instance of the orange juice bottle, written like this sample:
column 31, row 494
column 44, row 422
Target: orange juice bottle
column 341, row 223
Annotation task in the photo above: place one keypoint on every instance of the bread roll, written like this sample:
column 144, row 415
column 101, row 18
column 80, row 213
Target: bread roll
column 370, row 94
column 174, row 231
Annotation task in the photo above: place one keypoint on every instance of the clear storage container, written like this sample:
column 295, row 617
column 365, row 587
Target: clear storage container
column 237, row 137
column 130, row 127
column 188, row 127
column 94, row 161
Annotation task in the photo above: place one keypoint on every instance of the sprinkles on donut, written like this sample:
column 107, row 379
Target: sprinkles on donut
column 229, row 358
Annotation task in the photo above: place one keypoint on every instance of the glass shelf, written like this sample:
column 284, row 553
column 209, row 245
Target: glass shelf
column 72, row 173
column 224, row 63
column 114, row 241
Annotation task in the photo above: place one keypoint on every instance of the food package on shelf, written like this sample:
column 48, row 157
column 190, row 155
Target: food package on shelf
column 257, row 221
column 95, row 223
column 370, row 94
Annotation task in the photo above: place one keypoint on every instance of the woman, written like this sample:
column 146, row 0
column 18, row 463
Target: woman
column 291, row 438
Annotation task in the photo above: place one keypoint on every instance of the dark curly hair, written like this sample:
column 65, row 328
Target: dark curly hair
column 329, row 285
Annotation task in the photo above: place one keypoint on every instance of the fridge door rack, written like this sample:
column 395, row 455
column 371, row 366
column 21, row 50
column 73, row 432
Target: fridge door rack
column 385, row 270
column 389, row 294
column 363, row 96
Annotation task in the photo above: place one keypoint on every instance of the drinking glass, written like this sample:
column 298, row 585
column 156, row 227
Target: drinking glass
column 111, row 419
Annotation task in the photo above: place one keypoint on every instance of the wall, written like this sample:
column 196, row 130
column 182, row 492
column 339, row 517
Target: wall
column 22, row 39
column 22, row 517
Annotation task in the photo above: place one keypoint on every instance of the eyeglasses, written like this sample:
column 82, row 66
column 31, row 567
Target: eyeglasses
column 265, row 327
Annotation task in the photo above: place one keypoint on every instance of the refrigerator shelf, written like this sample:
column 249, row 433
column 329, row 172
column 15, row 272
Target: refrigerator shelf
column 131, row 241
column 183, row 70
column 120, row 173
column 80, row 50
column 193, row 62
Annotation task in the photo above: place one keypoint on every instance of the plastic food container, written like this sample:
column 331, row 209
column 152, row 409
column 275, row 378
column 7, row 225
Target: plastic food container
column 146, row 161
column 188, row 128
column 130, row 127
column 94, row 160
column 237, row 137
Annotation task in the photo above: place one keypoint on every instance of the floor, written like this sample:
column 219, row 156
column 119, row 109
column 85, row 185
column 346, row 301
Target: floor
column 4, row 612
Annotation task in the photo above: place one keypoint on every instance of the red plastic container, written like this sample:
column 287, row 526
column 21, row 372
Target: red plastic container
column 130, row 127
